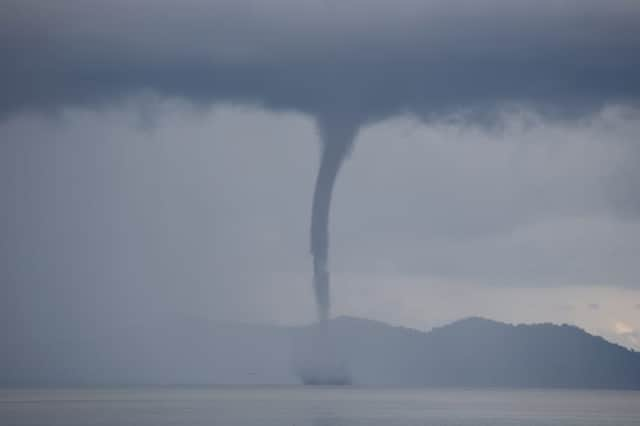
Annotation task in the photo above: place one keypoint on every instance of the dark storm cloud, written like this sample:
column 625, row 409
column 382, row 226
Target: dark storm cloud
column 369, row 59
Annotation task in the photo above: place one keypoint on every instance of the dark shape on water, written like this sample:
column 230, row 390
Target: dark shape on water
column 326, row 381
column 329, row 373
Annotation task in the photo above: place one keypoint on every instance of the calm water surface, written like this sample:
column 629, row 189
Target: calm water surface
column 301, row 406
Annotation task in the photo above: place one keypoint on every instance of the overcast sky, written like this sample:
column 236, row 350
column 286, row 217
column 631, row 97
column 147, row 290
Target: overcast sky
column 158, row 158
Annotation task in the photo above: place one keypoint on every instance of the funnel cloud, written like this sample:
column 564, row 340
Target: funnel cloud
column 337, row 139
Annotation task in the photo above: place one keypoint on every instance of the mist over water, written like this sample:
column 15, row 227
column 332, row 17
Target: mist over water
column 318, row 358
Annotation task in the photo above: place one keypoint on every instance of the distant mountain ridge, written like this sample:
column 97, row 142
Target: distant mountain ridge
column 472, row 352
column 477, row 352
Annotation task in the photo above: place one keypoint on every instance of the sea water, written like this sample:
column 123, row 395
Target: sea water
column 317, row 406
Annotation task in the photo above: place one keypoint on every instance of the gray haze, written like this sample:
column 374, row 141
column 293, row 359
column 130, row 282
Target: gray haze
column 157, row 162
